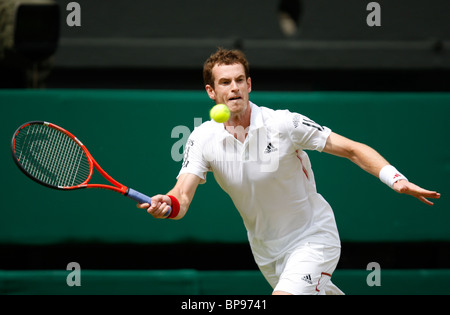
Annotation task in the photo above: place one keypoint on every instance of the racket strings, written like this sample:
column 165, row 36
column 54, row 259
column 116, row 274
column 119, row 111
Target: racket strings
column 51, row 156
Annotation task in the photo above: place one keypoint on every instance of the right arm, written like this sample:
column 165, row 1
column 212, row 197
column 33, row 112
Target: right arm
column 184, row 191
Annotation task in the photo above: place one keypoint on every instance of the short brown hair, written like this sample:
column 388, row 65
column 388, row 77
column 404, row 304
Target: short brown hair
column 224, row 57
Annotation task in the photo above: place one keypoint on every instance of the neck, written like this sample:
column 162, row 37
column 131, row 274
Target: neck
column 239, row 123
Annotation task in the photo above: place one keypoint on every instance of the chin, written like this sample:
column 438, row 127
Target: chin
column 237, row 107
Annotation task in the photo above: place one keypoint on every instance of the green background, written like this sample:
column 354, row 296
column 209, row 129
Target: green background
column 193, row 282
column 130, row 134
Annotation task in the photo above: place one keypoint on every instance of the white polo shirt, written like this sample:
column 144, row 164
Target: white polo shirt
column 269, row 178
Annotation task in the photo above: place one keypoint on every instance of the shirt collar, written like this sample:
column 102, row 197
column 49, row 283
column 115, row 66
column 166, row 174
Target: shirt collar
column 256, row 119
column 256, row 122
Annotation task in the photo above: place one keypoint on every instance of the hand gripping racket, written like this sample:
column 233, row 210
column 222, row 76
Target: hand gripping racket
column 53, row 157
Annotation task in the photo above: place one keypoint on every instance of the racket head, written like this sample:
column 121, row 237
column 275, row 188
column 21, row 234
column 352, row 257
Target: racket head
column 51, row 156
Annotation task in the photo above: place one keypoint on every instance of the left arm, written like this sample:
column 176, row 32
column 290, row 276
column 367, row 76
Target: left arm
column 372, row 162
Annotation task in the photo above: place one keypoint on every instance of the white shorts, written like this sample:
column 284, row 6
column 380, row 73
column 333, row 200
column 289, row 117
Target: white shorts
column 306, row 270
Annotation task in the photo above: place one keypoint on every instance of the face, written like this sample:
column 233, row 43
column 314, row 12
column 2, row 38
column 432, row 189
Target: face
column 230, row 87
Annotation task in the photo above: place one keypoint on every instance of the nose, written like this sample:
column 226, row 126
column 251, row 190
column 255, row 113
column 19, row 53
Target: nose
column 234, row 86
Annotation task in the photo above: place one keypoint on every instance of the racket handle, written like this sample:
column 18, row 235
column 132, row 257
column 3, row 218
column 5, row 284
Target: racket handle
column 141, row 198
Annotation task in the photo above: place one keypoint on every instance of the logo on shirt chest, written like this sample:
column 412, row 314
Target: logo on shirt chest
column 270, row 148
column 260, row 152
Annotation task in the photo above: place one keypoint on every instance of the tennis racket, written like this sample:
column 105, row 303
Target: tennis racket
column 55, row 158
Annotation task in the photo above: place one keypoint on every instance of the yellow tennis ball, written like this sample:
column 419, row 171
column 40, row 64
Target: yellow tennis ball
column 220, row 113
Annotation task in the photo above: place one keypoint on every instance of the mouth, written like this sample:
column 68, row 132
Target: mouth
column 235, row 98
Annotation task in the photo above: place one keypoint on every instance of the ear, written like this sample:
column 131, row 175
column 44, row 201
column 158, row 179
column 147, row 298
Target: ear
column 210, row 91
column 249, row 84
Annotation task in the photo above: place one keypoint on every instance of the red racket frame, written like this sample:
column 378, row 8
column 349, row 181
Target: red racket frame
column 118, row 187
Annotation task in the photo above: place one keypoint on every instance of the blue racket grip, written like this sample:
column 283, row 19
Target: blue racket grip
column 141, row 198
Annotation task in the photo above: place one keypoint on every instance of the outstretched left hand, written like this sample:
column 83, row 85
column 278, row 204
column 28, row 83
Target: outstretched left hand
column 405, row 187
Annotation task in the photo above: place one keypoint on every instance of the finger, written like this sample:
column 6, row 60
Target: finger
column 423, row 191
column 154, row 203
column 432, row 194
column 426, row 201
column 154, row 207
column 427, row 194
column 162, row 209
column 143, row 205
column 414, row 190
column 159, row 210
column 165, row 211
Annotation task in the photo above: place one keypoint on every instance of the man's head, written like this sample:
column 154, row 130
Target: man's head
column 224, row 57
column 227, row 80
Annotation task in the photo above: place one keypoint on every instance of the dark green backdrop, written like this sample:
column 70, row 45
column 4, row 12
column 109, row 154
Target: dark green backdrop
column 131, row 134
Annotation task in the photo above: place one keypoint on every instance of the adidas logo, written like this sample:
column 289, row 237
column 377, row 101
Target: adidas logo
column 270, row 148
column 307, row 278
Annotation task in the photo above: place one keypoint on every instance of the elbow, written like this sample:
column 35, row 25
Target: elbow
column 353, row 152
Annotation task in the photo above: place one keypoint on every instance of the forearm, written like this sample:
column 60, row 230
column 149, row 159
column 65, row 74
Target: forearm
column 367, row 158
column 372, row 162
column 184, row 191
column 362, row 155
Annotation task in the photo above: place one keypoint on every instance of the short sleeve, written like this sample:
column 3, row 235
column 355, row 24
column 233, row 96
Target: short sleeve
column 193, row 160
column 306, row 134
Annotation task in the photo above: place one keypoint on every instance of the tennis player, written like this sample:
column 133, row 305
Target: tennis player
column 258, row 157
